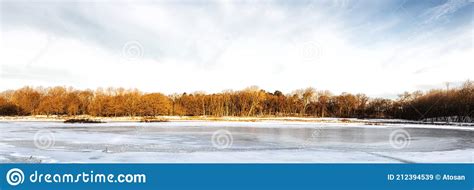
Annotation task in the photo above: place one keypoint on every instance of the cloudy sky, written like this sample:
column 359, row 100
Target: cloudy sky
column 381, row 48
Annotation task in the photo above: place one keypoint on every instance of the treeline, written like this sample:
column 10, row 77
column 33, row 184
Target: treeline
column 252, row 101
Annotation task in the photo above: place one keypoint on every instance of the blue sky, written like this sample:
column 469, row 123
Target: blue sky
column 381, row 48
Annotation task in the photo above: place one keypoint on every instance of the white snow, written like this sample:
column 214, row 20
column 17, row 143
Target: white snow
column 252, row 142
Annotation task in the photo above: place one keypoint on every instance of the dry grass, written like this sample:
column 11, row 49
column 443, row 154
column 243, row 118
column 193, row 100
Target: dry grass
column 82, row 121
column 153, row 119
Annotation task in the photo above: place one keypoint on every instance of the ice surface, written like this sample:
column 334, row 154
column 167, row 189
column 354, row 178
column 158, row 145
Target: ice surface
column 251, row 142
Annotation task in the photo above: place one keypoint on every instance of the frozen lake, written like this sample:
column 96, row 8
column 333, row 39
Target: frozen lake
column 236, row 142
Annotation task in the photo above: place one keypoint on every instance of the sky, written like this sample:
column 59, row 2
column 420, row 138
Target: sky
column 380, row 48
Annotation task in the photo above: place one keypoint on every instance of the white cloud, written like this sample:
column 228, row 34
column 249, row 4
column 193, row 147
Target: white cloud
column 213, row 47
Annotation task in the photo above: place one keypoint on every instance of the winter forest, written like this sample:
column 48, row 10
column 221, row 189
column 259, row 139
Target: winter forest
column 455, row 103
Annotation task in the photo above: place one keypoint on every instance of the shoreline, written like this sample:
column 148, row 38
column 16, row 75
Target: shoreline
column 299, row 122
column 180, row 118
column 43, row 118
